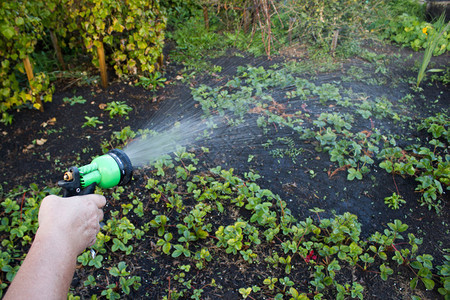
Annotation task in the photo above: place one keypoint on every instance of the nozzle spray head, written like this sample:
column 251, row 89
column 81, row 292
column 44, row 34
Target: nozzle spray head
column 106, row 171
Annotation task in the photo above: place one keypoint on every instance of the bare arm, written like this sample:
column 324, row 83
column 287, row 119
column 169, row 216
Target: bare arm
column 66, row 227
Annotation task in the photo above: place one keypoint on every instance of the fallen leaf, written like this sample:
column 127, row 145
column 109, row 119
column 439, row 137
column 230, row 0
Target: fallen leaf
column 102, row 106
column 27, row 148
column 51, row 121
column 41, row 142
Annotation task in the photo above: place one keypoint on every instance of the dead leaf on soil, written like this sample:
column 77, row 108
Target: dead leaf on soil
column 51, row 121
column 41, row 142
column 152, row 245
column 102, row 106
column 256, row 110
column 289, row 187
column 304, row 105
column 27, row 148
column 343, row 168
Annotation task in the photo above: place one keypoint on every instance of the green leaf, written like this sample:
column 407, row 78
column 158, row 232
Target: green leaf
column 353, row 173
column 385, row 271
column 416, row 265
column 166, row 248
column 8, row 31
column 177, row 253
column 429, row 283
column 413, row 283
column 382, row 255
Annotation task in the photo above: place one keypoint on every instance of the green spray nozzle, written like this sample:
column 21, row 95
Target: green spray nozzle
column 106, row 171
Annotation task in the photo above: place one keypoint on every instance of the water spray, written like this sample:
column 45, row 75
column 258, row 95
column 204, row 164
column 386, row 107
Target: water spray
column 116, row 167
column 105, row 171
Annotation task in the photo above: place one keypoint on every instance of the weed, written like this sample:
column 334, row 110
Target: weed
column 118, row 139
column 6, row 119
column 91, row 122
column 394, row 201
column 119, row 108
column 74, row 100
column 153, row 82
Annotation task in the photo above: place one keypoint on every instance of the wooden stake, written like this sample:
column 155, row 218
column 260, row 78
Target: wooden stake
column 159, row 62
column 57, row 49
column 246, row 18
column 101, row 59
column 334, row 41
column 291, row 25
column 29, row 71
column 28, row 68
column 206, row 16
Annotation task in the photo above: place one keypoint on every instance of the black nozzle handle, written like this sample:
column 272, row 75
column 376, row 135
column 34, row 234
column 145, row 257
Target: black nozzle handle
column 73, row 187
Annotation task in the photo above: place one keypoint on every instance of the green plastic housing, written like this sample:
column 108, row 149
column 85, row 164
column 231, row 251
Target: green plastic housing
column 103, row 170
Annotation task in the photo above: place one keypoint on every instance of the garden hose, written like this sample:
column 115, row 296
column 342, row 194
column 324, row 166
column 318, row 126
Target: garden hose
column 105, row 171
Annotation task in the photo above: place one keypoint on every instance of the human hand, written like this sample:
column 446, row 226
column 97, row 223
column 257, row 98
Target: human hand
column 72, row 222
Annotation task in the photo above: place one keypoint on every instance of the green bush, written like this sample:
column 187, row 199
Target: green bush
column 132, row 31
column 20, row 29
column 317, row 19
column 411, row 31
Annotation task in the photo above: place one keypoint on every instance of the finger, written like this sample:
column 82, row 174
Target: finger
column 99, row 200
column 94, row 233
column 92, row 242
column 100, row 215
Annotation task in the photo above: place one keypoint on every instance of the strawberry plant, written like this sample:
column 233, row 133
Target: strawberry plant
column 430, row 165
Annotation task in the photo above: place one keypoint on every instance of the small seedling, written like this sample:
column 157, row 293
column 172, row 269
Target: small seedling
column 74, row 100
column 91, row 122
column 394, row 201
column 153, row 82
column 119, row 108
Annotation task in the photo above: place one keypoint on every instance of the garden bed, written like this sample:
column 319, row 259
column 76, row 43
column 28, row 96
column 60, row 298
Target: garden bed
column 287, row 139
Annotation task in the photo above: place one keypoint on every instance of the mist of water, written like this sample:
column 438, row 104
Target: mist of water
column 164, row 140
column 181, row 125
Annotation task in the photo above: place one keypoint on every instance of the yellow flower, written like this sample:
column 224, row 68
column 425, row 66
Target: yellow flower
column 424, row 30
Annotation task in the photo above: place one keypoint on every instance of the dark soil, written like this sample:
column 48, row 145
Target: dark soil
column 67, row 143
